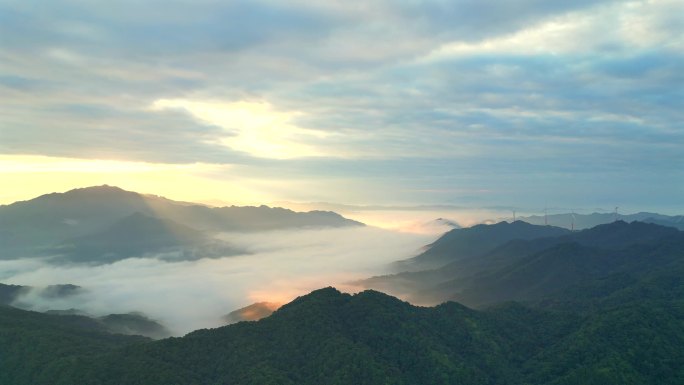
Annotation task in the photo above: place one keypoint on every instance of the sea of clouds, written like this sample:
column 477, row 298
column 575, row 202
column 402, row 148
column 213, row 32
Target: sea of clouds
column 189, row 295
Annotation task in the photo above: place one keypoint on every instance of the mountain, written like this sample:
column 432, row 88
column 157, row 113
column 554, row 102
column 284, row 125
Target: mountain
column 444, row 222
column 585, row 221
column 674, row 221
column 131, row 324
column 462, row 243
column 527, row 270
column 35, row 227
column 370, row 338
column 324, row 337
column 61, row 291
column 602, row 306
column 139, row 235
column 134, row 324
column 71, row 311
column 435, row 226
column 599, row 306
column 9, row 293
column 253, row 312
column 263, row 218
column 35, row 345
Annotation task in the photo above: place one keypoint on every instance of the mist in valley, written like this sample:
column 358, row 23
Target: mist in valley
column 188, row 295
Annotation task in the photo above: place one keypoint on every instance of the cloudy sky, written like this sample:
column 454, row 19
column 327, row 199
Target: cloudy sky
column 522, row 103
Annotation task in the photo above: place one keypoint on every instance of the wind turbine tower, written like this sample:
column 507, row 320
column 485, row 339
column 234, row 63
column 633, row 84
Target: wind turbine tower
column 572, row 223
column 616, row 214
column 546, row 220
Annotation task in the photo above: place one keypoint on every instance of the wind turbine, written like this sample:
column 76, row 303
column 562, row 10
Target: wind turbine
column 616, row 214
column 546, row 220
column 572, row 225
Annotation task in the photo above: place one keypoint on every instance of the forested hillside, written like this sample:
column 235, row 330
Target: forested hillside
column 630, row 333
column 617, row 318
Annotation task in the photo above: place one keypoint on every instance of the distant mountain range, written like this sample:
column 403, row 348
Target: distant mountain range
column 585, row 221
column 523, row 262
column 105, row 224
column 461, row 243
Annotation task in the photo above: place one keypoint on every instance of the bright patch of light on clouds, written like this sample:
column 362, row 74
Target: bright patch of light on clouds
column 256, row 127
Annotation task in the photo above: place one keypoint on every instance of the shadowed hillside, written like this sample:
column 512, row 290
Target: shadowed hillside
column 74, row 222
column 532, row 269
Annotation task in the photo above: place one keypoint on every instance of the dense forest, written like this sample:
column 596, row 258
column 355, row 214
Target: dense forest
column 619, row 325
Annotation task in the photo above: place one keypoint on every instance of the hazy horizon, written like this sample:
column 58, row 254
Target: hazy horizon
column 406, row 218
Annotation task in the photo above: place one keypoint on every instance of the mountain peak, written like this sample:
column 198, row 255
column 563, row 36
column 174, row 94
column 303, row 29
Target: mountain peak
column 105, row 188
column 470, row 242
column 253, row 312
column 587, row 221
column 326, row 292
column 633, row 226
column 325, row 296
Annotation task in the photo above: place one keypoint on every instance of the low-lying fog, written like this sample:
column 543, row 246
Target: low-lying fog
column 185, row 296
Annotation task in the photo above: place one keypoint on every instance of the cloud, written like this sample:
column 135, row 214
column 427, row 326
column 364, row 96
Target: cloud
column 107, row 132
column 191, row 295
column 41, row 164
column 258, row 128
column 387, row 96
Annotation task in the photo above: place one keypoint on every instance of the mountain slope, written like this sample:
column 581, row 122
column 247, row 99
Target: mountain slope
column 619, row 247
column 459, row 244
column 8, row 293
column 253, row 312
column 34, row 346
column 531, row 269
column 586, row 221
column 603, row 306
column 333, row 338
column 139, row 235
column 31, row 228
column 611, row 315
column 370, row 338
column 134, row 324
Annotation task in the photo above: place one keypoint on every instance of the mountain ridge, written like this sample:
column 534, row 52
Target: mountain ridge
column 484, row 279
column 140, row 235
column 585, row 221
column 35, row 227
column 462, row 243
column 331, row 337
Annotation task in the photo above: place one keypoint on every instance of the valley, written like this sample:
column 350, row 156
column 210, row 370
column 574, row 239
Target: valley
column 507, row 303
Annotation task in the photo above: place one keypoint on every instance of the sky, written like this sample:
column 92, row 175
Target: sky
column 506, row 103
